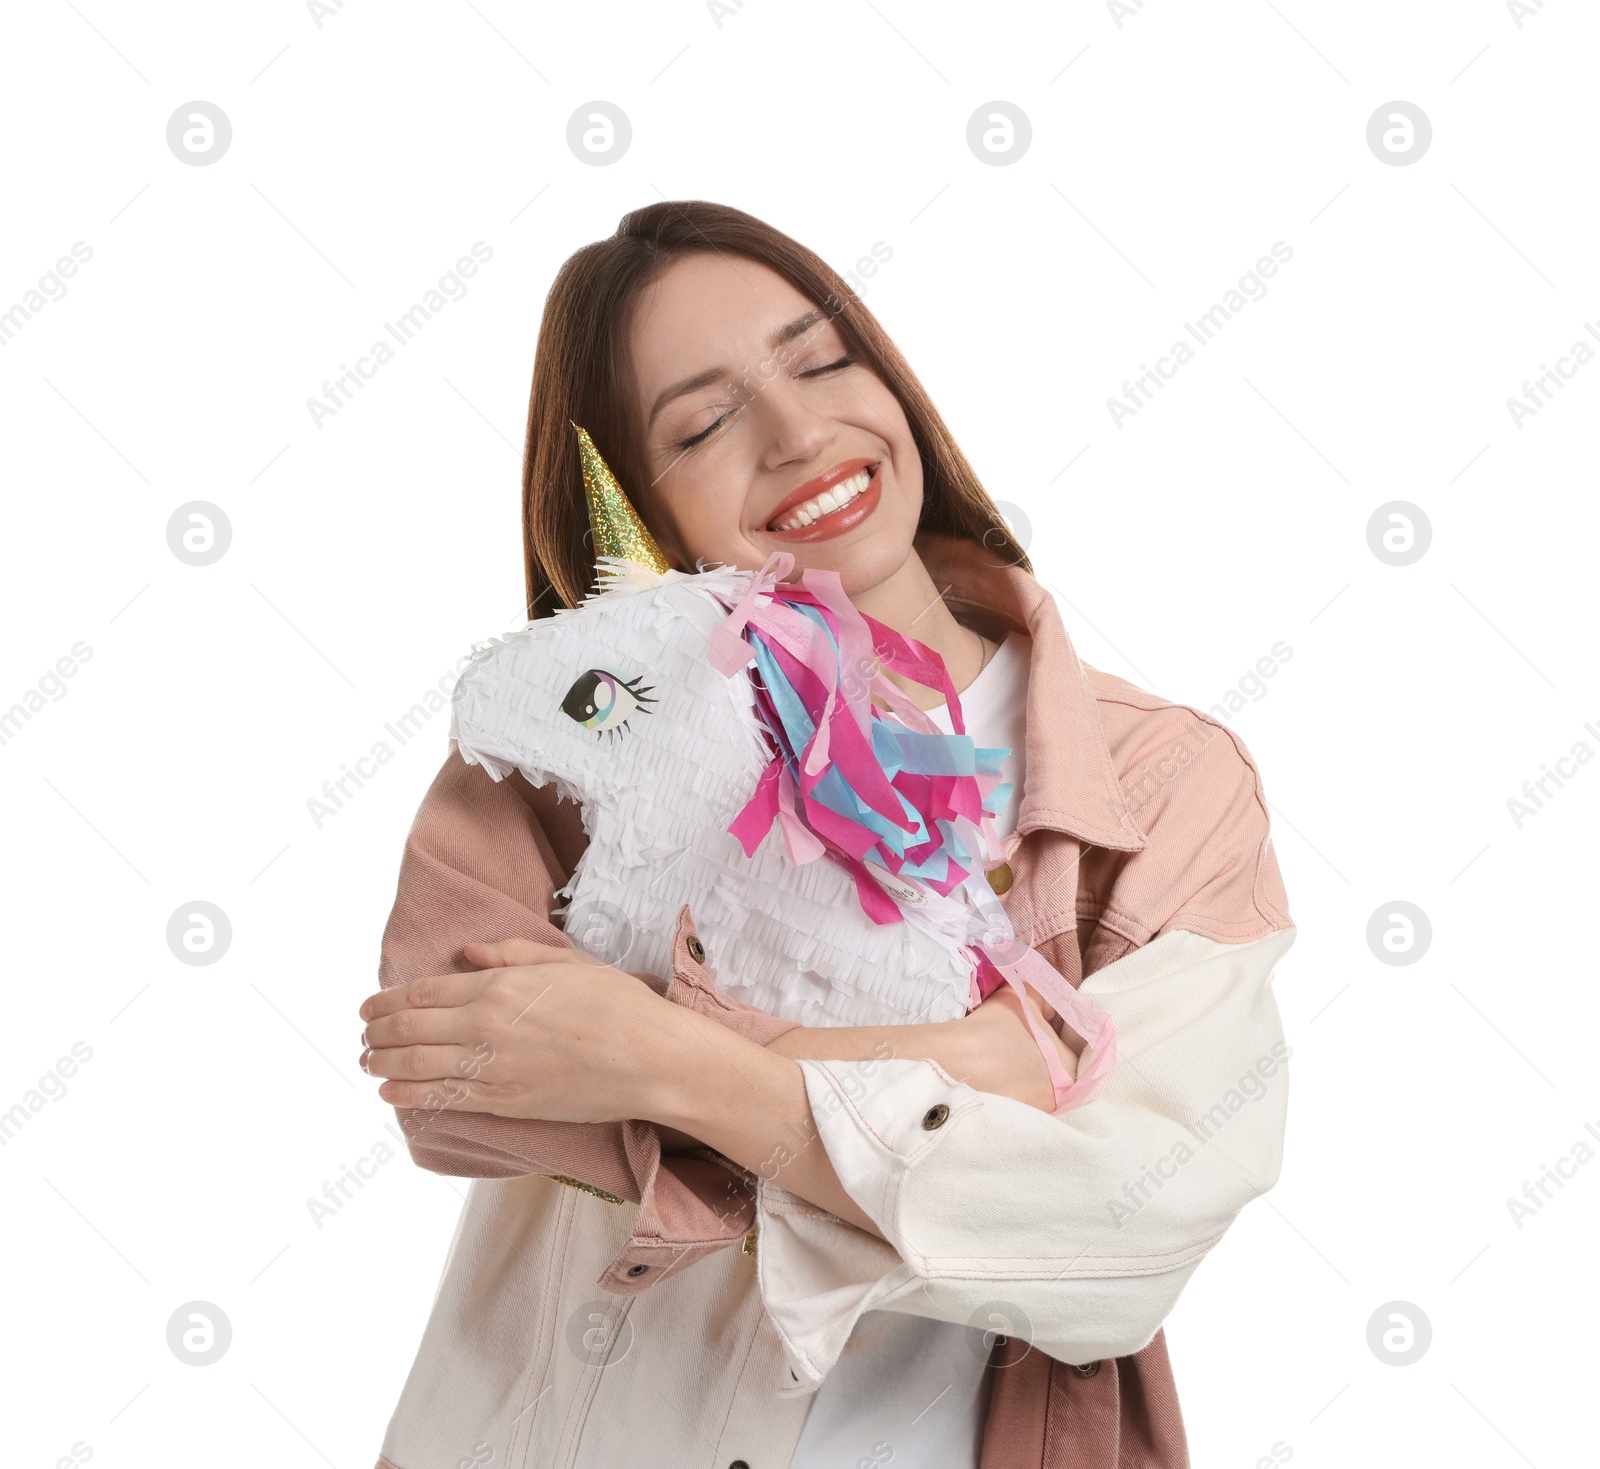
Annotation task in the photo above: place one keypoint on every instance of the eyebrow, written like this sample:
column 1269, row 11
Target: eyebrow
column 784, row 334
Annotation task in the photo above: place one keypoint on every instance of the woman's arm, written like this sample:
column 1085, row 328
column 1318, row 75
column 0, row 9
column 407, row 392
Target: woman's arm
column 482, row 861
column 549, row 1033
column 757, row 1111
column 991, row 1050
column 1083, row 1228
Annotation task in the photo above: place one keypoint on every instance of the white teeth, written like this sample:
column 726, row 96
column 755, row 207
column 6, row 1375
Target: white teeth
column 828, row 501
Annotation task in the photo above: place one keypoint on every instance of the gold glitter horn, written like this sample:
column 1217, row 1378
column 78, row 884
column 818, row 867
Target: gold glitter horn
column 618, row 531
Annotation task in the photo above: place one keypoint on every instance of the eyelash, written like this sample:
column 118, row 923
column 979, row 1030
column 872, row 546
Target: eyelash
column 705, row 433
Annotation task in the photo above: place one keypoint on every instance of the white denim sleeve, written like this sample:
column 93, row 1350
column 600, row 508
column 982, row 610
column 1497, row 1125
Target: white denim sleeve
column 1079, row 1231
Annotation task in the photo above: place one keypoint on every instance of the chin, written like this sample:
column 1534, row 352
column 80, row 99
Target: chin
column 861, row 566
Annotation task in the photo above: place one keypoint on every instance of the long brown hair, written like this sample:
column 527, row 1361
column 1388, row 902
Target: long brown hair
column 580, row 375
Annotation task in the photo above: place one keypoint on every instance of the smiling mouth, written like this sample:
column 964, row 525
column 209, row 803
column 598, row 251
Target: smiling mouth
column 829, row 502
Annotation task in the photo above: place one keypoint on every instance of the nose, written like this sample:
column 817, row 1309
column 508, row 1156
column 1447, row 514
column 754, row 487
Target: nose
column 793, row 429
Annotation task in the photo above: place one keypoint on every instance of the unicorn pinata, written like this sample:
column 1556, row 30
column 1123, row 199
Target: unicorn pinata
column 719, row 730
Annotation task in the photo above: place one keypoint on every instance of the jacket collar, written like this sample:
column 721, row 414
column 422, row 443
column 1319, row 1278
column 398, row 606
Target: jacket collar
column 1069, row 782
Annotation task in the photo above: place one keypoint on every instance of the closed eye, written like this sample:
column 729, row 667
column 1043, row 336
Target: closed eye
column 710, row 429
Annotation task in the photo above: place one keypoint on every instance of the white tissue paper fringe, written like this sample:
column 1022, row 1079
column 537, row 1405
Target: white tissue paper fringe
column 659, row 794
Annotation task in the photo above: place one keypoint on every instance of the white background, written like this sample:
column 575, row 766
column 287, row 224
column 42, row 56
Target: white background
column 1168, row 154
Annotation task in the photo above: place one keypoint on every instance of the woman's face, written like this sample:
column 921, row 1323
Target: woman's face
column 752, row 409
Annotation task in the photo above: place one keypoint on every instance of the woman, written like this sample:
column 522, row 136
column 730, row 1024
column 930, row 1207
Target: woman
column 703, row 1236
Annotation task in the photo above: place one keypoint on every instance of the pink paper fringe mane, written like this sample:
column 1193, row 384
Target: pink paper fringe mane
column 850, row 785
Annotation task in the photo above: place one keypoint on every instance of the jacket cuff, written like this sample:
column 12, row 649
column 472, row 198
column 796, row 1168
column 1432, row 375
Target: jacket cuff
column 692, row 1206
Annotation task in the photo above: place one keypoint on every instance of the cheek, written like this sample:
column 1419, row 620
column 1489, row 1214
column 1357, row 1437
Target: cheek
column 908, row 485
column 879, row 411
column 707, row 514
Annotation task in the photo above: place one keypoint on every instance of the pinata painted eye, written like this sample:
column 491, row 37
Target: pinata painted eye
column 603, row 701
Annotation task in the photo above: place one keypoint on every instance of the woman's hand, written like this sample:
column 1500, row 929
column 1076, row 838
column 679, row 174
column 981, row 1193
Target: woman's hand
column 1005, row 1058
column 991, row 1049
column 540, row 1031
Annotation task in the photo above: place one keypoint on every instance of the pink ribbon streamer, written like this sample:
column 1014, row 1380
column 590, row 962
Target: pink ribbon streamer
column 729, row 651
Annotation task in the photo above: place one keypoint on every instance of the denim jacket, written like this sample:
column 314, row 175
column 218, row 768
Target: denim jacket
column 604, row 1304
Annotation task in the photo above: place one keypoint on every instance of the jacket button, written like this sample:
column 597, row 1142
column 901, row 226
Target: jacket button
column 1088, row 1369
column 697, row 950
column 637, row 1269
column 1000, row 877
column 934, row 1117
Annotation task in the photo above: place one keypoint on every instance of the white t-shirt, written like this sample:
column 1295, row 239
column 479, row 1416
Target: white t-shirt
column 913, row 1384
column 994, row 707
